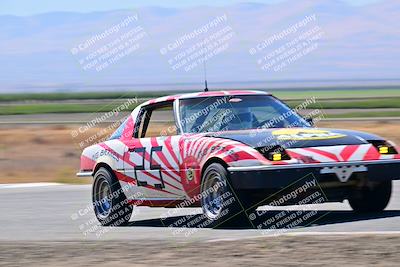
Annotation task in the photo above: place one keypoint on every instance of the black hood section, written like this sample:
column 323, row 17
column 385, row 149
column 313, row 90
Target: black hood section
column 298, row 137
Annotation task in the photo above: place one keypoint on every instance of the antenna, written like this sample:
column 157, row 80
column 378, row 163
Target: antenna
column 205, row 74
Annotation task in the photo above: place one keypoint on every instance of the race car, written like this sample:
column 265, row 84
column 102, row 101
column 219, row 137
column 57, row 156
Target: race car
column 230, row 152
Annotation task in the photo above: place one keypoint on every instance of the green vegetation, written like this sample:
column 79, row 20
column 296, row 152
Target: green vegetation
column 393, row 102
column 336, row 94
column 367, row 114
column 320, row 93
column 60, row 108
column 43, row 108
column 325, row 99
column 78, row 96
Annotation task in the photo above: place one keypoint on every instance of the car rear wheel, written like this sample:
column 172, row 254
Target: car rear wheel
column 373, row 198
column 221, row 205
column 110, row 204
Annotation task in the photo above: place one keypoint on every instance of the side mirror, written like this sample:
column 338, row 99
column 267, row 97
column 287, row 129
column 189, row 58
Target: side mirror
column 310, row 121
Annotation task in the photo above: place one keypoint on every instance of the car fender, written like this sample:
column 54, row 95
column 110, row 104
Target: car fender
column 199, row 151
column 105, row 160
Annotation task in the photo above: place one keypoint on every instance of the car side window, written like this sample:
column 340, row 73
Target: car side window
column 158, row 121
column 118, row 133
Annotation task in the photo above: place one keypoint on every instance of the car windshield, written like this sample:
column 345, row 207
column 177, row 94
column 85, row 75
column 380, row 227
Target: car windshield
column 227, row 113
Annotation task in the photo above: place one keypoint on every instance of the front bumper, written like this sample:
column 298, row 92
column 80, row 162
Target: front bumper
column 84, row 174
column 281, row 176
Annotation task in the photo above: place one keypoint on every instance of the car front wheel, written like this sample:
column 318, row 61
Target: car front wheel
column 372, row 198
column 221, row 205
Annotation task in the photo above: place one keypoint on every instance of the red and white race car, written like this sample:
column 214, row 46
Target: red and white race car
column 230, row 152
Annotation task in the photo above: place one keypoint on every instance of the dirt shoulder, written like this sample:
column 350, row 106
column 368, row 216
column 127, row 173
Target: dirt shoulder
column 52, row 153
column 367, row 250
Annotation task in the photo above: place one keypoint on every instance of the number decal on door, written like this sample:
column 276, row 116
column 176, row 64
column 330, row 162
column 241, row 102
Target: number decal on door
column 156, row 166
column 142, row 152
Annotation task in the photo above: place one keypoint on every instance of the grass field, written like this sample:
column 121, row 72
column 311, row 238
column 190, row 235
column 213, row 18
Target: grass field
column 390, row 102
column 336, row 94
column 320, row 93
column 77, row 96
column 43, row 103
column 44, row 108
column 367, row 114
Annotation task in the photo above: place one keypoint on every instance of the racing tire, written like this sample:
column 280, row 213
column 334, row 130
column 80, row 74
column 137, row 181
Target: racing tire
column 371, row 198
column 220, row 203
column 109, row 201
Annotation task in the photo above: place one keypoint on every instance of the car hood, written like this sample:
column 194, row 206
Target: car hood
column 298, row 137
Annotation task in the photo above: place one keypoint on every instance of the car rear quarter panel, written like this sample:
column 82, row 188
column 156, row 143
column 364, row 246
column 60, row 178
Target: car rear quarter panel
column 110, row 152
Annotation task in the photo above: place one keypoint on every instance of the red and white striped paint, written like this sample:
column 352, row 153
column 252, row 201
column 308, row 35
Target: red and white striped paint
column 183, row 157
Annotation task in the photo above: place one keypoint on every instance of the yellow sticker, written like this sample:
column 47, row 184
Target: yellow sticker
column 305, row 134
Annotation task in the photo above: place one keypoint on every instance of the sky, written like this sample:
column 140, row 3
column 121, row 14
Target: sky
column 37, row 52
column 31, row 7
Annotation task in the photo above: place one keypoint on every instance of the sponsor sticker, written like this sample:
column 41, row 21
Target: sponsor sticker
column 305, row 134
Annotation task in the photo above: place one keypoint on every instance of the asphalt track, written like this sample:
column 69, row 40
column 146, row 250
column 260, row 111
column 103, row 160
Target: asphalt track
column 53, row 212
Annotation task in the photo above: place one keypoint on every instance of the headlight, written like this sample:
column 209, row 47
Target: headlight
column 384, row 147
column 274, row 153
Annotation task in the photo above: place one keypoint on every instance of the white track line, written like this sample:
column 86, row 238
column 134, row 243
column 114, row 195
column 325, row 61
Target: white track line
column 27, row 185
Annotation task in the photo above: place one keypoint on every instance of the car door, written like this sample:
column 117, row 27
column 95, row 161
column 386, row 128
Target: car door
column 153, row 154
